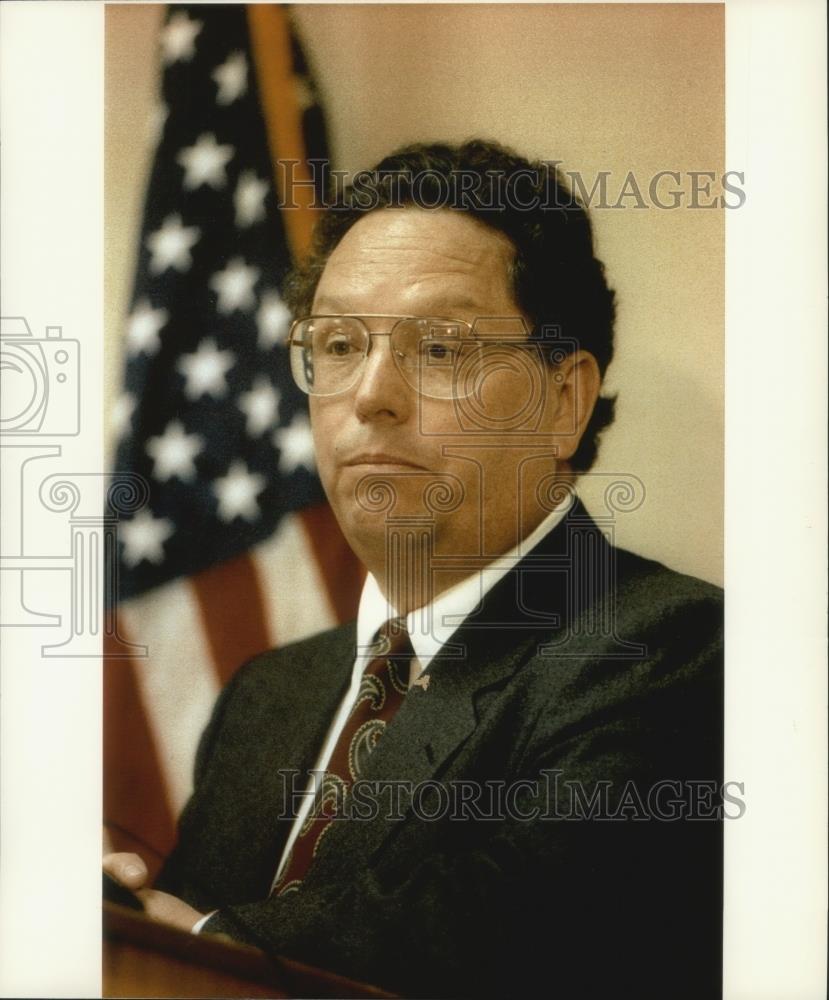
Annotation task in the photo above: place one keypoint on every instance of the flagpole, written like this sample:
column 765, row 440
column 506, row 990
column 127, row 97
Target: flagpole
column 271, row 48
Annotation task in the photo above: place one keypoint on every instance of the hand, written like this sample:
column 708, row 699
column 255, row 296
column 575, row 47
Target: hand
column 131, row 872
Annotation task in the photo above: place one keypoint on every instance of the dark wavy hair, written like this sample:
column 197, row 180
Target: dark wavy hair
column 556, row 278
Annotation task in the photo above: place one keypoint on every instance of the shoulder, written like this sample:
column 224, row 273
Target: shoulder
column 675, row 621
column 333, row 640
column 588, row 576
column 649, row 651
column 657, row 615
column 645, row 589
column 278, row 688
column 287, row 662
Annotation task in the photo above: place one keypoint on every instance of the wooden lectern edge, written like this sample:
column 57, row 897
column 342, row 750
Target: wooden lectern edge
column 224, row 955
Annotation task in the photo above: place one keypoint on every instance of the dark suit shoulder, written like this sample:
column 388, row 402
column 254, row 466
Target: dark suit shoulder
column 678, row 617
column 674, row 619
column 645, row 663
column 290, row 687
column 338, row 643
column 654, row 586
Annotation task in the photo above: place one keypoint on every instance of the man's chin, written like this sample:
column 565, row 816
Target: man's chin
column 376, row 494
column 375, row 506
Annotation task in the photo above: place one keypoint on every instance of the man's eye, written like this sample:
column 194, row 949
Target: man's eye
column 338, row 346
column 437, row 351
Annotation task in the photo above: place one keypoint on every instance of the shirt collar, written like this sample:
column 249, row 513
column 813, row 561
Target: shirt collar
column 431, row 627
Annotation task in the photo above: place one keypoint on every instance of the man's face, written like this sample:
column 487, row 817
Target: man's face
column 441, row 264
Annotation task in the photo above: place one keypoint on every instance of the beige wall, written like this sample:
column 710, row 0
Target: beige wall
column 600, row 87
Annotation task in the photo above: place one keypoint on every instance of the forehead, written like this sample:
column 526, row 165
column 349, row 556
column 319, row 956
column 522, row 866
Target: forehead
column 410, row 260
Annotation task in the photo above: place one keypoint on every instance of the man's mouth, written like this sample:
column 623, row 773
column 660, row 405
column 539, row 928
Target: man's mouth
column 381, row 460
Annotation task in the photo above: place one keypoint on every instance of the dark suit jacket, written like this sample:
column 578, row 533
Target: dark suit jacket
column 586, row 662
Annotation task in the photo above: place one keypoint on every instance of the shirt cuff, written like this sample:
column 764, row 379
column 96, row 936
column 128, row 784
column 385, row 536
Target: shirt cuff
column 198, row 926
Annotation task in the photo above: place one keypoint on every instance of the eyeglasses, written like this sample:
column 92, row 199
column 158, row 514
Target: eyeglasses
column 440, row 358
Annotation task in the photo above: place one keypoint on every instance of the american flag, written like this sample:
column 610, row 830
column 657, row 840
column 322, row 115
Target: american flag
column 235, row 550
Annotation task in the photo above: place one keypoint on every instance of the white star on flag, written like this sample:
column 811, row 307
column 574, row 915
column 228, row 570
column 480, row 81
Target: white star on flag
column 121, row 414
column 170, row 246
column 143, row 327
column 232, row 78
column 173, row 452
column 295, row 444
column 260, row 405
column 205, row 162
column 237, row 493
column 273, row 318
column 178, row 38
column 144, row 537
column 234, row 286
column 249, row 199
column 205, row 370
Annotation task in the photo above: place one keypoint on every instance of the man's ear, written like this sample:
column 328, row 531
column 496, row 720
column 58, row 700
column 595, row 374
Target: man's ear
column 578, row 381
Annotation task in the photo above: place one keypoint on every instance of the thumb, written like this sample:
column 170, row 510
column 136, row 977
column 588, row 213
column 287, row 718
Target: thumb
column 128, row 869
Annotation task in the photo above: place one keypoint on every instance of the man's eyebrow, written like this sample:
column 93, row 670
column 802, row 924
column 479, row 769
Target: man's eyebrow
column 329, row 305
column 447, row 306
column 435, row 307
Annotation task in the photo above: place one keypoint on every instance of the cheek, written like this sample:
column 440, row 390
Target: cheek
column 323, row 427
column 434, row 418
column 512, row 395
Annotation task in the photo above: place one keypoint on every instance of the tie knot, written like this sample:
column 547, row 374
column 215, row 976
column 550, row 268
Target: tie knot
column 392, row 639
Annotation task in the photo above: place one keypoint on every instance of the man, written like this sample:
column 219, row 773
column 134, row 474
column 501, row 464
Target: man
column 491, row 783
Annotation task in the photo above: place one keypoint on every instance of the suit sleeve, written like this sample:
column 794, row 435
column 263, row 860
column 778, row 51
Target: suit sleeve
column 173, row 875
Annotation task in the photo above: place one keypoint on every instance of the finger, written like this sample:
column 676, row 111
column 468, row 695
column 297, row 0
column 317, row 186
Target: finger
column 128, row 869
column 168, row 909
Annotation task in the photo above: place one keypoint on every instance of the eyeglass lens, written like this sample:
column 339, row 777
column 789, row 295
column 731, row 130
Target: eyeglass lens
column 328, row 352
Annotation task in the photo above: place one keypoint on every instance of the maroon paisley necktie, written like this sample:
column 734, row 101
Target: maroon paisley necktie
column 382, row 690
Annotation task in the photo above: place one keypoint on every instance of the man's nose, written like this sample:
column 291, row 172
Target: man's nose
column 381, row 389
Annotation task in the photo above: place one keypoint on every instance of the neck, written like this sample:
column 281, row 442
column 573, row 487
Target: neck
column 411, row 571
column 405, row 570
